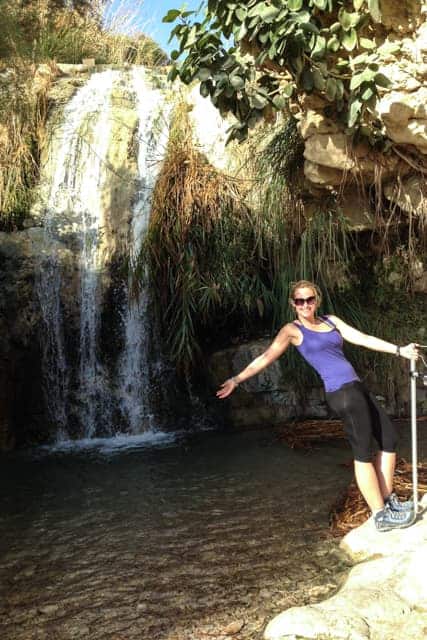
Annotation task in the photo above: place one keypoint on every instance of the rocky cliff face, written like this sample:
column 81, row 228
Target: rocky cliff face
column 335, row 165
column 270, row 399
column 22, row 402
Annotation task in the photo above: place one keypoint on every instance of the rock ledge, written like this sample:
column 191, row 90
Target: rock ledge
column 384, row 597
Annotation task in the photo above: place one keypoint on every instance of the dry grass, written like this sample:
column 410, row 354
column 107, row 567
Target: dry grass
column 22, row 118
column 350, row 511
column 196, row 214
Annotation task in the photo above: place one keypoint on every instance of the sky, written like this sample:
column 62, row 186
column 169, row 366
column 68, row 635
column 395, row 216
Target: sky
column 148, row 15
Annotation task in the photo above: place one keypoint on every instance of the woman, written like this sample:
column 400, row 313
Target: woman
column 319, row 340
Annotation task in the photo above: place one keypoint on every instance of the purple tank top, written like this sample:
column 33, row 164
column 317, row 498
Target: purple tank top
column 323, row 350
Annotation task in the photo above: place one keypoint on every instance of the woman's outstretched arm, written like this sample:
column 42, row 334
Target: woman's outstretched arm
column 371, row 342
column 274, row 351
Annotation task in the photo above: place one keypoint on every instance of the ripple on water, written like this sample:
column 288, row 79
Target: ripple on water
column 170, row 540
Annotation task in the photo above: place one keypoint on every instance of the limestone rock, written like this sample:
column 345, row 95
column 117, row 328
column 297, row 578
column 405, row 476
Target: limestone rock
column 329, row 150
column 324, row 176
column 383, row 599
column 265, row 399
column 405, row 117
column 410, row 194
column 313, row 122
column 364, row 542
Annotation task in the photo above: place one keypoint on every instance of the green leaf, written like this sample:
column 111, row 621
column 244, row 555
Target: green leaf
column 360, row 59
column 288, row 90
column 258, row 101
column 319, row 48
column 174, row 54
column 241, row 13
column 349, row 39
column 173, row 73
column 331, row 89
column 264, row 37
column 365, row 43
column 272, row 51
column 307, row 80
column 264, row 11
column 333, row 44
column 335, row 27
column 241, row 32
column 318, row 80
column 309, row 27
column 389, row 48
column 367, row 93
column 171, row 15
column 237, row 82
column 374, row 10
column 295, row 5
column 356, row 81
column 203, row 74
column 192, row 37
column 381, row 80
column 348, row 20
column 279, row 102
column 353, row 114
column 358, row 4
column 320, row 4
column 340, row 90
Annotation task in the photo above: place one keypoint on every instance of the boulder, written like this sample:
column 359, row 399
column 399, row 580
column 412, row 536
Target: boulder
column 266, row 399
column 330, row 150
column 383, row 598
column 405, row 117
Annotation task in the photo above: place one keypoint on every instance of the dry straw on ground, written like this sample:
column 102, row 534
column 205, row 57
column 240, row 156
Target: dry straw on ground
column 350, row 510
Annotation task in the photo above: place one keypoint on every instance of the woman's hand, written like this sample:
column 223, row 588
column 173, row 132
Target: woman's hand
column 410, row 351
column 226, row 388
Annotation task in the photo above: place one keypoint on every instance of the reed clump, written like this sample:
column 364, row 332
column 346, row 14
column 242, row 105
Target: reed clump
column 223, row 251
column 23, row 110
column 200, row 246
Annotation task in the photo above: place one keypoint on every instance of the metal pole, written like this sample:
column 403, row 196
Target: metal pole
column 413, row 390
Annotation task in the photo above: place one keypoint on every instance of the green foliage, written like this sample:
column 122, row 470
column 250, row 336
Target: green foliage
column 221, row 265
column 251, row 57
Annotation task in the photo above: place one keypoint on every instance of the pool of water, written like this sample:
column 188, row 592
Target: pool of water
column 165, row 538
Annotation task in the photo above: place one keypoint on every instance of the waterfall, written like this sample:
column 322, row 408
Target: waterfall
column 76, row 194
column 72, row 205
column 134, row 392
column 56, row 381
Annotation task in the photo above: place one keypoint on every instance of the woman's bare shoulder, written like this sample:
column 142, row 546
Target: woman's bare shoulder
column 290, row 329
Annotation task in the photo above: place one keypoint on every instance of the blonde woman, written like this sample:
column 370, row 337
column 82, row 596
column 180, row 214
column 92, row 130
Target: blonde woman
column 371, row 433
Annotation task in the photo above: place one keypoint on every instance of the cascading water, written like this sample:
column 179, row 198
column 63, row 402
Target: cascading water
column 133, row 391
column 76, row 217
column 73, row 206
column 56, row 380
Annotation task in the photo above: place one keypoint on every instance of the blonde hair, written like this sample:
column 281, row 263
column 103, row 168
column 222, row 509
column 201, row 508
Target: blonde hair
column 309, row 285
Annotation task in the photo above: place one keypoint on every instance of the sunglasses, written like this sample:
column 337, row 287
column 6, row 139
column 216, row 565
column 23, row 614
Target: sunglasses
column 299, row 302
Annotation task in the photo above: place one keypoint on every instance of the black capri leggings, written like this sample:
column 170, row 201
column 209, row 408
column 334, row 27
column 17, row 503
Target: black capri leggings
column 365, row 421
